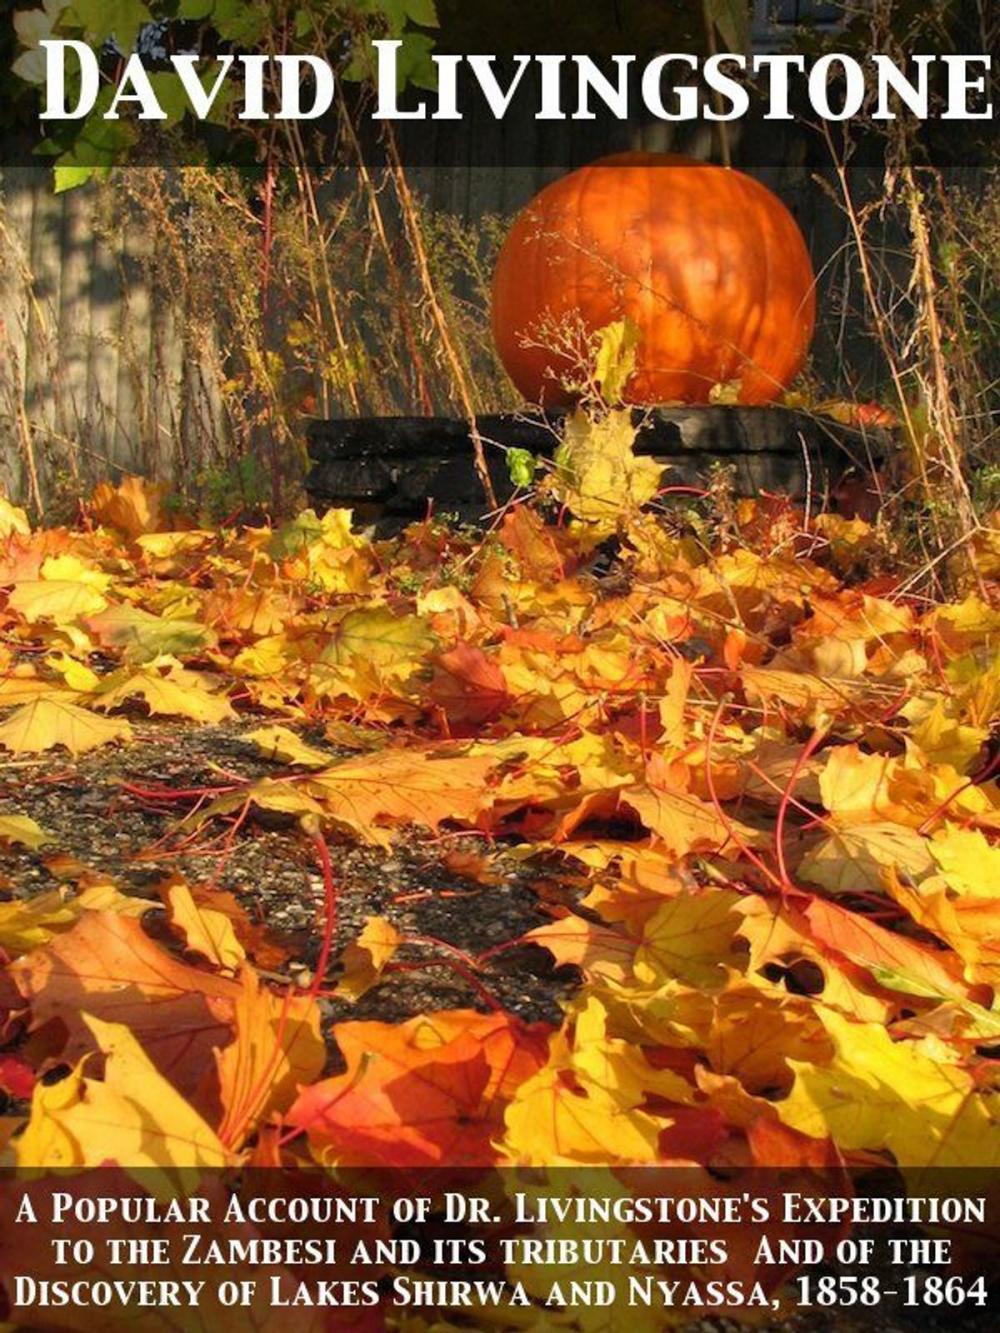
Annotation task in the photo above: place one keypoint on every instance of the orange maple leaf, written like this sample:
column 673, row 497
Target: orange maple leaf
column 108, row 967
column 428, row 1092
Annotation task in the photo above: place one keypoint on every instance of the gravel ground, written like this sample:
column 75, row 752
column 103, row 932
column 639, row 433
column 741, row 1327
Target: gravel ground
column 271, row 869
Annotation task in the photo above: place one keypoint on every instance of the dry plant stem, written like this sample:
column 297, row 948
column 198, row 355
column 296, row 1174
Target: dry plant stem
column 24, row 431
column 874, row 305
column 805, row 754
column 395, row 278
column 221, row 304
column 942, row 397
column 265, row 310
column 311, row 216
column 27, row 443
column 720, row 810
column 419, row 249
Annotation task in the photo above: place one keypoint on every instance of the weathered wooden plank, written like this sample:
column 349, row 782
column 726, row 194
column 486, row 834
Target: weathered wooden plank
column 393, row 466
column 73, row 329
column 17, row 205
column 105, row 318
column 133, row 398
column 43, row 373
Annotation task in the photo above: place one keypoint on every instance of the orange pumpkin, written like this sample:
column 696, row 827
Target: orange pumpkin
column 709, row 265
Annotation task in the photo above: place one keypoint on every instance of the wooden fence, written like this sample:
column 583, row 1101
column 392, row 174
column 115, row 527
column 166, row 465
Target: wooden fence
column 96, row 372
column 95, row 376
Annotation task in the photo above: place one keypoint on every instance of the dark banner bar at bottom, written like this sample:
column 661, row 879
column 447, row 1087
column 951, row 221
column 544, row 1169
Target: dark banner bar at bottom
column 515, row 1248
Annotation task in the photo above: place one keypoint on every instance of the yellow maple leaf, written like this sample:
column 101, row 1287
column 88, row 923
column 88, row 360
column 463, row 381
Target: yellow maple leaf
column 778, row 937
column 206, row 932
column 818, row 698
column 551, row 1123
column 283, row 746
column 585, row 1105
column 969, row 924
column 862, row 788
column 683, row 822
column 76, row 675
column 691, row 937
column 134, row 1117
column 968, row 863
column 29, row 923
column 23, row 830
column 267, row 657
column 324, row 551
column 402, row 786
column 140, row 637
column 165, row 545
column 22, row 684
column 840, row 658
column 674, row 735
column 370, row 794
column 47, row 722
column 600, row 952
column 546, row 695
column 646, row 876
column 276, row 1048
column 395, row 644
column 283, row 797
column 618, row 1068
column 614, row 360
column 942, row 736
column 880, row 1095
column 133, row 507
column 365, row 957
column 13, row 521
column 754, row 1036
column 56, row 600
column 971, row 620
column 854, row 858
column 168, row 689
column 71, row 569
column 597, row 473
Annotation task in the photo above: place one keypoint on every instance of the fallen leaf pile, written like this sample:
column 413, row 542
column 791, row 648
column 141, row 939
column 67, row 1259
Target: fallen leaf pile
column 768, row 791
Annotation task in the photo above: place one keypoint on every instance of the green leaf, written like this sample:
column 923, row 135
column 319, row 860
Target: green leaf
column 397, row 13
column 234, row 20
column 522, row 466
column 71, row 178
column 421, row 12
column 170, row 94
column 30, row 66
column 100, row 143
column 238, row 22
column 731, row 19
column 415, row 65
column 120, row 19
column 35, row 25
